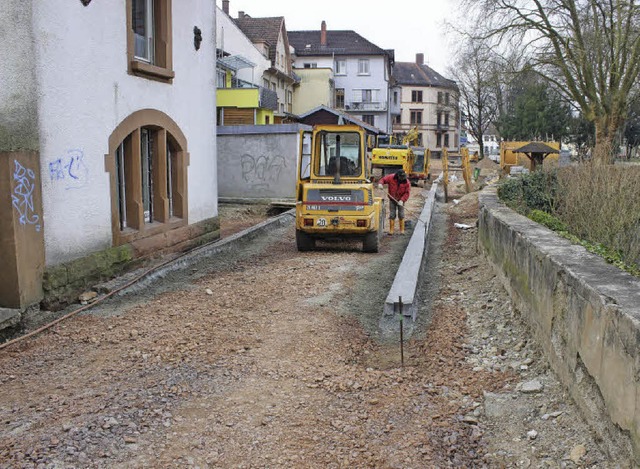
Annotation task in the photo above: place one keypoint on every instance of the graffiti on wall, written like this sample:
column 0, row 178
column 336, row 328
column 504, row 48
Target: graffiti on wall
column 262, row 171
column 70, row 169
column 22, row 196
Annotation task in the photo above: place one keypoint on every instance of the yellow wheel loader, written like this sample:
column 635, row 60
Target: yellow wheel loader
column 334, row 196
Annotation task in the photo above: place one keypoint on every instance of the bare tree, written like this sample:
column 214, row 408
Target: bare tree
column 589, row 48
column 474, row 72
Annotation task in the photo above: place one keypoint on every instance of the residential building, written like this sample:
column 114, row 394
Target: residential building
column 315, row 88
column 270, row 37
column 241, row 100
column 361, row 72
column 107, row 140
column 429, row 102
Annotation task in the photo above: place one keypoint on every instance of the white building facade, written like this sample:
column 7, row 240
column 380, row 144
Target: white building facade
column 361, row 71
column 233, row 43
column 118, row 106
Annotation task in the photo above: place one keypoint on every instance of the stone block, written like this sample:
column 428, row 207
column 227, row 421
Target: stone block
column 9, row 317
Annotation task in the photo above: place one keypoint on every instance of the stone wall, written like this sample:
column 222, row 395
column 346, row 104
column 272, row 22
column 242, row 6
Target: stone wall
column 584, row 313
column 258, row 162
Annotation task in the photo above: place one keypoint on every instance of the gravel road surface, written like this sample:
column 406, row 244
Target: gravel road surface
column 266, row 357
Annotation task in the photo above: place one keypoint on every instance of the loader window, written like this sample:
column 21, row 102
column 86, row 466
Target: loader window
column 418, row 166
column 339, row 150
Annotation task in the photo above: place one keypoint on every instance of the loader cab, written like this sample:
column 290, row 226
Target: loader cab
column 338, row 154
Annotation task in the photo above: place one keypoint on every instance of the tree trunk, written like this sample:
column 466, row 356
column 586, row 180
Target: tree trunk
column 605, row 149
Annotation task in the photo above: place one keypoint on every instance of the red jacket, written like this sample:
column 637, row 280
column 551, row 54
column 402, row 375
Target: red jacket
column 397, row 190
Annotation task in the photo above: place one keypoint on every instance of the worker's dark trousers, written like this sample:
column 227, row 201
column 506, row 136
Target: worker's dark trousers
column 393, row 205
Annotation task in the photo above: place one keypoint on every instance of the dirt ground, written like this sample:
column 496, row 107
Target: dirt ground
column 235, row 218
column 266, row 357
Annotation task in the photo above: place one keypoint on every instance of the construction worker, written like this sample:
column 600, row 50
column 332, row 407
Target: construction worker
column 398, row 191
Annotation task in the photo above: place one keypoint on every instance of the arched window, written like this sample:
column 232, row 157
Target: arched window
column 147, row 162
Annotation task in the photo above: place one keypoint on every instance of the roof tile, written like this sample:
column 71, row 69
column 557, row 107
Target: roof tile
column 307, row 43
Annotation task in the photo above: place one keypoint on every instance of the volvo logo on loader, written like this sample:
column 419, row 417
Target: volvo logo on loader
column 335, row 198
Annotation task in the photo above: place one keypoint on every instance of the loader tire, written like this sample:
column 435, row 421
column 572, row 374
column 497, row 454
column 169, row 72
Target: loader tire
column 370, row 242
column 304, row 241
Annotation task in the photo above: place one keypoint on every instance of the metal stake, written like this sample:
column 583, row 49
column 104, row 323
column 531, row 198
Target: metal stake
column 401, row 333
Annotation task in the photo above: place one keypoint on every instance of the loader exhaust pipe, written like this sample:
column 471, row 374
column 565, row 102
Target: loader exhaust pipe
column 336, row 176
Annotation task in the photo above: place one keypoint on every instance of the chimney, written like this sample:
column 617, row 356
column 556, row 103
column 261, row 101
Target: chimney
column 420, row 59
column 225, row 6
column 323, row 34
column 241, row 14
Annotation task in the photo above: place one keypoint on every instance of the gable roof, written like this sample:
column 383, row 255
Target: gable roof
column 345, row 117
column 307, row 43
column 413, row 74
column 263, row 29
column 536, row 147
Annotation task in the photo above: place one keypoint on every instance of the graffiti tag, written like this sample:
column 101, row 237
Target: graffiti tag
column 71, row 169
column 262, row 170
column 22, row 197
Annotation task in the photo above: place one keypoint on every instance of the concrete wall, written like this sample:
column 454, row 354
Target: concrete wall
column 18, row 92
column 258, row 162
column 584, row 313
column 86, row 91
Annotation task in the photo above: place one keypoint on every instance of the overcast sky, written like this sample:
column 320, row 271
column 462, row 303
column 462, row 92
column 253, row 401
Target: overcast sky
column 407, row 26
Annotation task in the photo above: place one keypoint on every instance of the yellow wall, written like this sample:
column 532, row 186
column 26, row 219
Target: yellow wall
column 261, row 115
column 238, row 97
column 314, row 90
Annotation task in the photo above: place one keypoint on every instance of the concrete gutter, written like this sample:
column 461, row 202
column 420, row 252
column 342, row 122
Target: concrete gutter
column 405, row 284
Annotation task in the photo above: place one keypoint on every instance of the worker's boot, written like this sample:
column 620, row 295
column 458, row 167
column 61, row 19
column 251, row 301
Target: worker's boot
column 391, row 226
column 401, row 227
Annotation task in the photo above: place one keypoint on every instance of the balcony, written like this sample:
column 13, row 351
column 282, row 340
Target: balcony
column 366, row 106
column 243, row 94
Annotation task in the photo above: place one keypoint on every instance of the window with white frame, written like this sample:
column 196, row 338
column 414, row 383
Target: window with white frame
column 221, row 76
column 143, row 29
column 341, row 67
column 363, row 67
